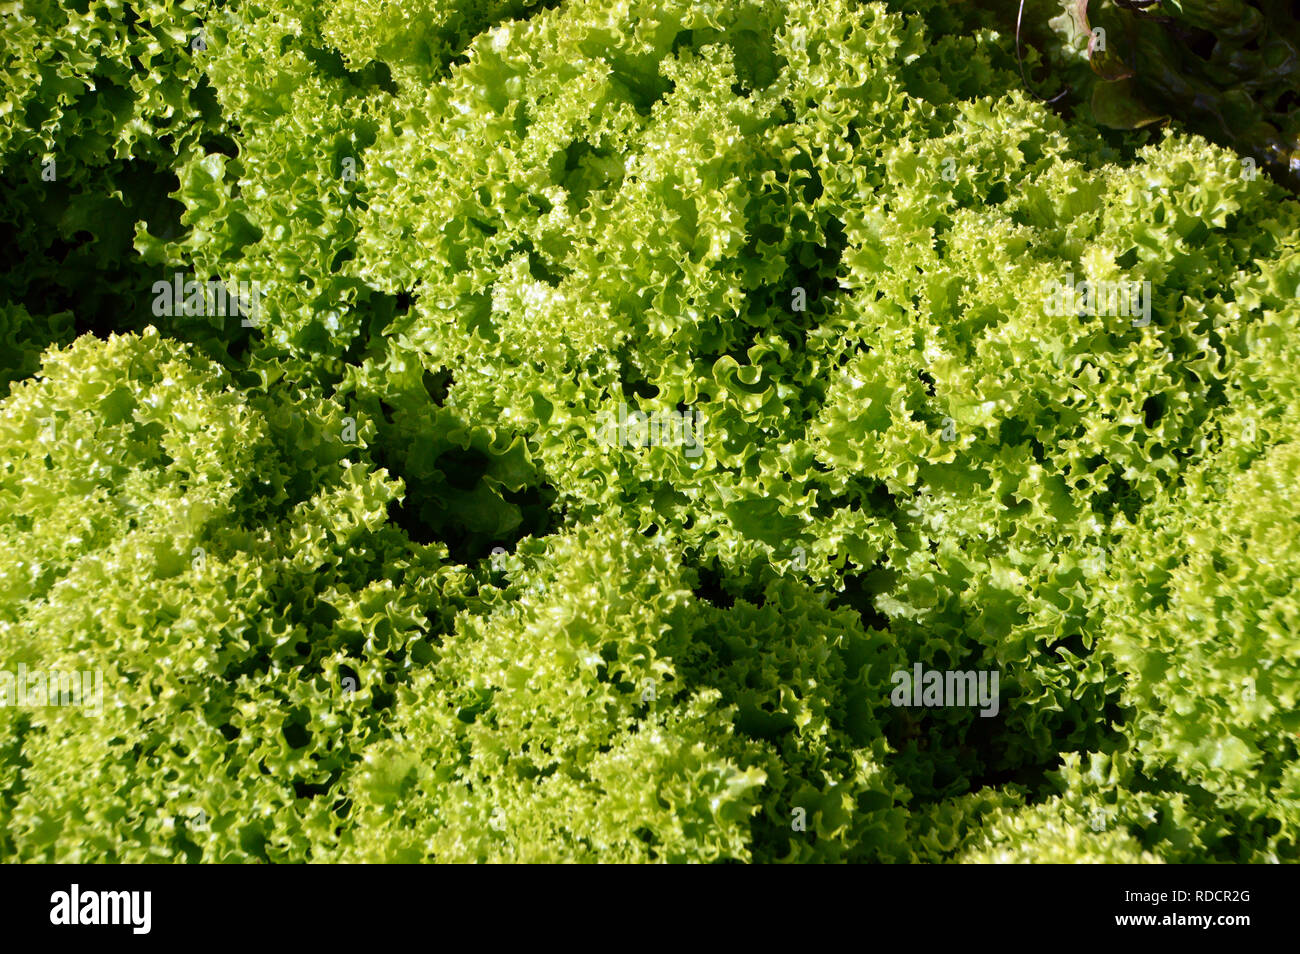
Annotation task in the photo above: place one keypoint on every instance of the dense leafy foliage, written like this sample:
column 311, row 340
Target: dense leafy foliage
column 1227, row 69
column 367, row 578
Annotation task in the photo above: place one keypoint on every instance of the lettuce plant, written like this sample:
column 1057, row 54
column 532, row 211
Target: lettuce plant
column 637, row 388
